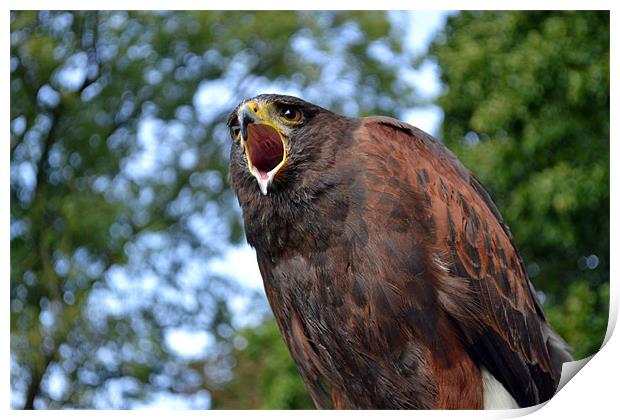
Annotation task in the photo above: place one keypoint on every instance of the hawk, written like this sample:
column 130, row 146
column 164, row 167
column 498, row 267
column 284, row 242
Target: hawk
column 391, row 274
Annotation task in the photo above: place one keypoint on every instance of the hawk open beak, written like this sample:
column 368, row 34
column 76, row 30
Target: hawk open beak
column 263, row 143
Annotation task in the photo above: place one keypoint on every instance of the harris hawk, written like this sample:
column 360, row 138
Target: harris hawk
column 391, row 274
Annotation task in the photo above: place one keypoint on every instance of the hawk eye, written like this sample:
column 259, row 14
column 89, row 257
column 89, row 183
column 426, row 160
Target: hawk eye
column 291, row 114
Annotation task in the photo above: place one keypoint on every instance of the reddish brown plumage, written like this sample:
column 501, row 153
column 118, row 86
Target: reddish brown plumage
column 459, row 384
column 390, row 272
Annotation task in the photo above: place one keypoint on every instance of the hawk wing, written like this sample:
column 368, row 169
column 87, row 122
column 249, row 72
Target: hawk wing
column 499, row 320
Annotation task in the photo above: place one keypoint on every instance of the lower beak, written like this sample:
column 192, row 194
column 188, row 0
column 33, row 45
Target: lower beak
column 264, row 179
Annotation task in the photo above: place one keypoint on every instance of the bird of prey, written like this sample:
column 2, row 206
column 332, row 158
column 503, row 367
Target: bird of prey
column 391, row 274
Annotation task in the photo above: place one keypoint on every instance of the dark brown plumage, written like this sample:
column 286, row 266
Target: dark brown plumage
column 390, row 272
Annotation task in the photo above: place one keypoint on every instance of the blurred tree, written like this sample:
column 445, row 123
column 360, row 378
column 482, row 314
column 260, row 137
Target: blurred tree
column 526, row 105
column 265, row 374
column 119, row 191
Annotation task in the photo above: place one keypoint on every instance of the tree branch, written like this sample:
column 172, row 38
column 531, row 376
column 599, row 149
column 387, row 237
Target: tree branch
column 37, row 376
column 93, row 56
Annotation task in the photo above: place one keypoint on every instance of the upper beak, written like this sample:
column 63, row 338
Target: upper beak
column 246, row 117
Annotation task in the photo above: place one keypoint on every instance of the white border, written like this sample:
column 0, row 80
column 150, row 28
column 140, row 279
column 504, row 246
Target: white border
column 592, row 394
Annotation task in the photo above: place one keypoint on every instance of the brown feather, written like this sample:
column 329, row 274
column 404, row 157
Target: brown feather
column 390, row 272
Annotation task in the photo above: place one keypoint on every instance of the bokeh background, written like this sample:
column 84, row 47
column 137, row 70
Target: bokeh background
column 131, row 283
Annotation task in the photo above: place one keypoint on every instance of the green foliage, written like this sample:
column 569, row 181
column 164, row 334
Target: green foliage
column 526, row 107
column 581, row 319
column 265, row 374
column 119, row 195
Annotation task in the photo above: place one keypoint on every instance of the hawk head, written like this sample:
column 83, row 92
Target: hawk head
column 276, row 138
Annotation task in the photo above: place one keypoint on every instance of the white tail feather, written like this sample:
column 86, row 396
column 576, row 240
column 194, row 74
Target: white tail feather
column 495, row 395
